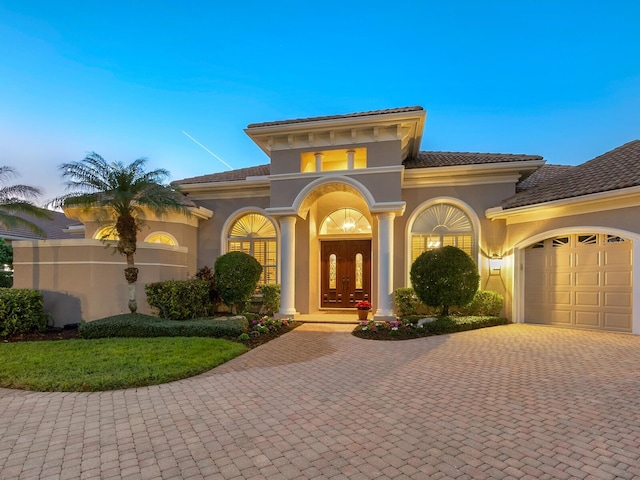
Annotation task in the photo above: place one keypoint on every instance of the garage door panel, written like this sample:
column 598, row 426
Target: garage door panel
column 589, row 257
column 560, row 259
column 559, row 297
column 562, row 317
column 617, row 321
column 587, row 279
column 617, row 299
column 621, row 255
column 587, row 318
column 537, row 296
column 559, row 279
column 617, row 279
column 587, row 299
column 582, row 280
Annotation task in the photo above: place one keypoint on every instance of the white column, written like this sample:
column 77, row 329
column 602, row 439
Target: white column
column 384, row 298
column 350, row 159
column 288, row 266
column 319, row 158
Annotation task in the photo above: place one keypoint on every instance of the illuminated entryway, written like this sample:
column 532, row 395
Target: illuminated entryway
column 345, row 258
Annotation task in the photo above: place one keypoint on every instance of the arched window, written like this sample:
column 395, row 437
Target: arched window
column 107, row 233
column 161, row 237
column 439, row 226
column 345, row 221
column 255, row 235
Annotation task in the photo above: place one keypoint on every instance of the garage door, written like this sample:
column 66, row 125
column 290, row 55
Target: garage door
column 580, row 280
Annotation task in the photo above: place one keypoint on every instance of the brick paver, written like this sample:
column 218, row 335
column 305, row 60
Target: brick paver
column 518, row 401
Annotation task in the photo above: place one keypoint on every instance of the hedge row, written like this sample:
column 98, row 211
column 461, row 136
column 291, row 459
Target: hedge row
column 139, row 325
column 179, row 299
column 21, row 311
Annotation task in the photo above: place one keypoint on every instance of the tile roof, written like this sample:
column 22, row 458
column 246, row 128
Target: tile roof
column 230, row 176
column 53, row 228
column 424, row 160
column 543, row 175
column 336, row 117
column 449, row 159
column 613, row 170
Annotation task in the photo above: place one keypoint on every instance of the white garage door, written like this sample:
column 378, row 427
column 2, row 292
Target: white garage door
column 580, row 280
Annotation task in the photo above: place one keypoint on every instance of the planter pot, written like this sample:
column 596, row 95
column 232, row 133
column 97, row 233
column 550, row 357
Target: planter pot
column 363, row 314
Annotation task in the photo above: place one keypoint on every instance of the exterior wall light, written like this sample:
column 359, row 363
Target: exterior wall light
column 495, row 263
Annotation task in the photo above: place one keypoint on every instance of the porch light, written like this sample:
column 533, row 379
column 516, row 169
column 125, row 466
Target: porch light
column 349, row 224
column 495, row 263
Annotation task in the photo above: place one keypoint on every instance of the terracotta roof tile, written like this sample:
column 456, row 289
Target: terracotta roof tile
column 449, row 159
column 613, row 170
column 230, row 176
column 543, row 175
column 336, row 117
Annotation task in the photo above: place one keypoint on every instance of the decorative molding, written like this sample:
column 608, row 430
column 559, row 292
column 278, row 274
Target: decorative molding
column 335, row 173
column 404, row 126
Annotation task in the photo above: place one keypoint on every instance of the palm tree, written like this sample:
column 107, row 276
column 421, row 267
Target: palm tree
column 16, row 203
column 122, row 193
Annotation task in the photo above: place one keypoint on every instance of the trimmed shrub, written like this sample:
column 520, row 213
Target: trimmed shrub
column 484, row 303
column 6, row 279
column 236, row 276
column 21, row 311
column 407, row 301
column 139, row 325
column 445, row 325
column 270, row 299
column 179, row 299
column 205, row 273
column 445, row 276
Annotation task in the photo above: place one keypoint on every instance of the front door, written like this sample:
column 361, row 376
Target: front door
column 346, row 273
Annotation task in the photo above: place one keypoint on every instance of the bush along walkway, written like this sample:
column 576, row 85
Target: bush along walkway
column 412, row 327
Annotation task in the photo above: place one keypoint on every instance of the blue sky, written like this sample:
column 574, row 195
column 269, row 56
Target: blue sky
column 555, row 78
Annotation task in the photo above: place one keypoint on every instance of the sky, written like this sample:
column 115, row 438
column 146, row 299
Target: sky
column 556, row 78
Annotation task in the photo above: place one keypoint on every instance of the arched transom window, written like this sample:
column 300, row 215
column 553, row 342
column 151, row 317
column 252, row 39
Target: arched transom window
column 439, row 226
column 107, row 233
column 345, row 221
column 255, row 235
column 161, row 237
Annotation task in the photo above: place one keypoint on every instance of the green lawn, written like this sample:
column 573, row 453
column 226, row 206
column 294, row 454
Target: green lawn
column 109, row 363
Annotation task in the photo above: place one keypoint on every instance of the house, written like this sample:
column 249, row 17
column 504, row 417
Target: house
column 347, row 202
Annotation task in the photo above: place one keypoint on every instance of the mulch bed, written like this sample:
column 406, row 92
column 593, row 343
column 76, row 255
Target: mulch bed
column 48, row 335
column 385, row 335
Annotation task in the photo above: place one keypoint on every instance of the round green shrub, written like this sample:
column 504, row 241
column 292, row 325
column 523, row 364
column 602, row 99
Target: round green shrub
column 236, row 277
column 484, row 303
column 445, row 276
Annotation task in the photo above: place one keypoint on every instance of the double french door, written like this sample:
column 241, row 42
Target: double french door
column 346, row 272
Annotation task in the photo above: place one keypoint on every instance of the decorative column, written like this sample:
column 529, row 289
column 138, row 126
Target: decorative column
column 385, row 267
column 351, row 159
column 319, row 157
column 288, row 266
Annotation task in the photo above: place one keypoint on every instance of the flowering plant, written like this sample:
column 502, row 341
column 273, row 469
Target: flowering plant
column 363, row 305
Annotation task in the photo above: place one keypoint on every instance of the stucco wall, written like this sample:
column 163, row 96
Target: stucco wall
column 83, row 280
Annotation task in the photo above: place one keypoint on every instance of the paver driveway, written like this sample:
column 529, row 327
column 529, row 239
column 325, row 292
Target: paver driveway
column 505, row 402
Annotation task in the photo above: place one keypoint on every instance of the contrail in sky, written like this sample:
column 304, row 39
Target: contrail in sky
column 207, row 150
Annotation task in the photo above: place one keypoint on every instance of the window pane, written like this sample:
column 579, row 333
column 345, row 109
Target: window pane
column 332, row 271
column 358, row 271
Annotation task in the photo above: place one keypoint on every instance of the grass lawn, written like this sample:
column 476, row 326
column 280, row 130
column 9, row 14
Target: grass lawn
column 109, row 363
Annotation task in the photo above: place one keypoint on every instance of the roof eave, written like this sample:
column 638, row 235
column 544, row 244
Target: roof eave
column 609, row 200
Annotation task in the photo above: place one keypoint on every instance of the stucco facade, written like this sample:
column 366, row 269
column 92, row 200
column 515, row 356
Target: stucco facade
column 347, row 202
